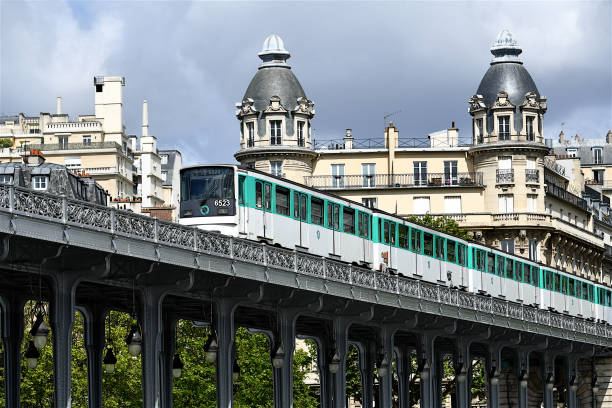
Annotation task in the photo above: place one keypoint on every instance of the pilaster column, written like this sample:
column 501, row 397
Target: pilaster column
column 323, row 351
column 168, row 351
column 367, row 351
column 493, row 368
column 283, row 376
column 93, row 317
column 386, row 382
column 548, row 379
column 340, row 328
column 463, row 363
column 12, row 337
column 224, row 325
column 522, row 377
column 404, row 369
column 152, row 299
column 427, row 369
column 571, row 379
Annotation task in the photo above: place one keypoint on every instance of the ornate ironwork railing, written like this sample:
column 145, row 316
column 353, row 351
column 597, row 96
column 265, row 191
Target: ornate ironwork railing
column 352, row 181
column 503, row 176
column 64, row 211
column 75, row 146
column 420, row 142
column 532, row 175
column 566, row 196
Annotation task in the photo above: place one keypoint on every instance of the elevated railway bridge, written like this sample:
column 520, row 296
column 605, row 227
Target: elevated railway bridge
column 93, row 259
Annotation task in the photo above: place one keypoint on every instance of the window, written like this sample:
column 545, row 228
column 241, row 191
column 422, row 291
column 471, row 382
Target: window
column 370, row 202
column 507, row 245
column 428, row 243
column 504, row 162
column 300, row 134
column 163, row 158
column 87, row 140
column 6, row 179
column 461, row 254
column 479, row 259
column 282, row 200
column 531, row 163
column 480, row 129
column 529, row 126
column 597, row 159
column 533, row 250
column 452, row 205
column 504, row 127
column 506, row 203
column 275, row 132
column 276, row 168
column 501, row 264
column 509, row 268
column 348, row 220
column 333, row 216
column 62, row 141
column 337, row 175
column 364, row 224
column 316, row 211
column 598, row 176
column 415, row 239
column 420, row 173
column 403, row 236
column 532, row 202
column 450, row 172
column 369, row 174
column 241, row 189
column 388, row 232
column 164, row 175
column 491, row 263
column 250, row 134
column 439, row 247
column 451, row 253
column 572, row 152
column 268, row 196
column 39, row 182
column 421, row 205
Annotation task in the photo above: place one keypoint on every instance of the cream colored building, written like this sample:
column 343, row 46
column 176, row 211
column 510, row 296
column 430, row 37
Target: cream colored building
column 97, row 144
column 503, row 185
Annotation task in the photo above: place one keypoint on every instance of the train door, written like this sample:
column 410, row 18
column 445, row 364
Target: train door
column 300, row 213
column 242, row 207
column 263, row 201
column 333, row 222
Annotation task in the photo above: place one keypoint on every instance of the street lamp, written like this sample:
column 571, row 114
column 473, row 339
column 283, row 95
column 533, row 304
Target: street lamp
column 279, row 357
column 134, row 341
column 334, row 364
column 177, row 366
column 31, row 355
column 39, row 331
column 109, row 360
column 211, row 347
column 383, row 368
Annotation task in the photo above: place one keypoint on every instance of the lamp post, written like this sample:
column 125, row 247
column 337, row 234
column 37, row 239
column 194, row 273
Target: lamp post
column 177, row 366
column 211, row 347
column 279, row 357
column 109, row 360
column 31, row 355
column 134, row 340
column 39, row 331
column 334, row 364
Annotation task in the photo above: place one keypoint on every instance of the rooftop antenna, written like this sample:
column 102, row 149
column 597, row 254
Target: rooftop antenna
column 388, row 115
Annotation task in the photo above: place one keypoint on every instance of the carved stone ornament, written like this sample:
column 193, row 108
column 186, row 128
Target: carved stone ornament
column 502, row 101
column 246, row 107
column 476, row 103
column 275, row 105
column 304, row 105
column 530, row 101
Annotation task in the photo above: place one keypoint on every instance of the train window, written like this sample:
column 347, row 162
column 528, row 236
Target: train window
column 510, row 268
column 303, row 207
column 572, row 287
column 333, row 216
column 241, row 189
column 461, row 258
column 608, row 298
column 557, row 279
column 439, row 247
column 392, row 233
column 282, row 200
column 364, row 224
column 491, row 263
column 479, row 259
column 548, row 280
column 501, row 262
column 451, row 254
column 535, row 276
column 578, row 290
column 585, row 291
column 518, row 271
column 428, row 243
column 415, row 237
column 591, row 297
column 384, row 232
column 259, row 194
column 348, row 220
column 268, row 196
column 316, row 211
column 564, row 285
column 527, row 274
column 403, row 236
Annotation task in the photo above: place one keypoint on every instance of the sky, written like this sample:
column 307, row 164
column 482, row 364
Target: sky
column 192, row 61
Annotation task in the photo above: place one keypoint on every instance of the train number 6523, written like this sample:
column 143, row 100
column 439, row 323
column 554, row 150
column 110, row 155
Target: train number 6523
column 222, row 203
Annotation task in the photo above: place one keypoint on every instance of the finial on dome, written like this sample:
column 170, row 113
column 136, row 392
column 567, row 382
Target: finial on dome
column 273, row 52
column 505, row 48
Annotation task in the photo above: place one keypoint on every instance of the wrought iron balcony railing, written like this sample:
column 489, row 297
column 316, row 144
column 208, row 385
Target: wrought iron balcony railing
column 566, row 196
column 532, row 175
column 504, row 176
column 358, row 181
column 74, row 146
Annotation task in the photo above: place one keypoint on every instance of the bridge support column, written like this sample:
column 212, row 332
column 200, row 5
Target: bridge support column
column 224, row 326
column 324, row 349
column 94, row 316
column 522, row 377
column 12, row 337
column 62, row 322
column 493, row 368
column 386, row 382
column 341, row 326
column 283, row 376
column 571, row 379
column 366, row 371
column 463, row 363
column 168, row 350
column 152, row 298
column 403, row 375
column 427, row 368
column 548, row 379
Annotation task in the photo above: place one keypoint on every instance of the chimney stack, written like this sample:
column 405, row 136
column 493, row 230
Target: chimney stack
column 609, row 136
column 348, row 139
column 145, row 118
column 59, row 105
column 562, row 138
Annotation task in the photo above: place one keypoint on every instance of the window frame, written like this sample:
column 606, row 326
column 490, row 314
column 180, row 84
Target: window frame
column 40, row 182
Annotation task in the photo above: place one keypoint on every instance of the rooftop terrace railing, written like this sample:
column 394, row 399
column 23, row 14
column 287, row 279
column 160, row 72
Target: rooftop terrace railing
column 74, row 146
column 55, row 209
column 566, row 196
column 339, row 144
column 359, row 181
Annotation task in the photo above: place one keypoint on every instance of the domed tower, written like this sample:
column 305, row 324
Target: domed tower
column 275, row 117
column 508, row 148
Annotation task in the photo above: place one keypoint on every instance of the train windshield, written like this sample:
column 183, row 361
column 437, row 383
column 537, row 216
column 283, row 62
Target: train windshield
column 208, row 182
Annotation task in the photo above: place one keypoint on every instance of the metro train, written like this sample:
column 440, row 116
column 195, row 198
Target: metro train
column 251, row 204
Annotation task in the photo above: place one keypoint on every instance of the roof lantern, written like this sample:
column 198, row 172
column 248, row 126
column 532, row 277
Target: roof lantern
column 505, row 48
column 273, row 52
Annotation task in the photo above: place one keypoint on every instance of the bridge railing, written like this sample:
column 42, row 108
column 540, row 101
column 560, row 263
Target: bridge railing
column 62, row 210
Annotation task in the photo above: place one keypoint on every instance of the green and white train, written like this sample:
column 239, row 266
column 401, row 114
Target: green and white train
column 250, row 204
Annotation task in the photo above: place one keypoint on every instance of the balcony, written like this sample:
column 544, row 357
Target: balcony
column 379, row 181
column 532, row 176
column 564, row 195
column 504, row 176
column 74, row 126
column 423, row 142
column 95, row 171
column 74, row 146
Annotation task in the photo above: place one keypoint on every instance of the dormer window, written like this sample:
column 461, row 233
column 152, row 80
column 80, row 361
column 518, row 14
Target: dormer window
column 597, row 157
column 504, row 127
column 250, row 134
column 529, row 126
column 39, row 182
column 480, row 128
column 300, row 134
column 275, row 132
column 572, row 152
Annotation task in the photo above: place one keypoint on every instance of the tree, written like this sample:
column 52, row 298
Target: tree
column 6, row 142
column 440, row 223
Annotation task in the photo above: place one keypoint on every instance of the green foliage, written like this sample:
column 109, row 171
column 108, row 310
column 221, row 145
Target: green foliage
column 441, row 223
column 6, row 142
column 353, row 376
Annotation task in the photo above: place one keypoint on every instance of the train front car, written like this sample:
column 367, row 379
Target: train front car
column 208, row 198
